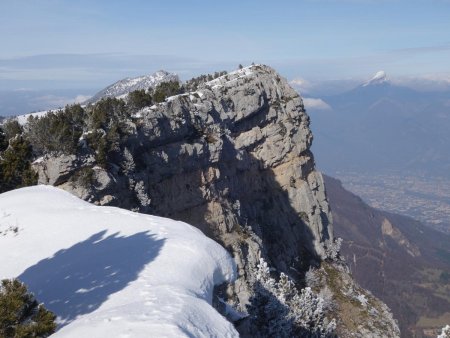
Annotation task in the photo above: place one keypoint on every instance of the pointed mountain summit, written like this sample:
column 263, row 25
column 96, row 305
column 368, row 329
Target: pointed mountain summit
column 403, row 128
column 379, row 78
column 127, row 85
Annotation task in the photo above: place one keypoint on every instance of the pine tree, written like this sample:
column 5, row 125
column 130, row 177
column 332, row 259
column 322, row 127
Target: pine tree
column 11, row 128
column 15, row 166
column 21, row 315
column 139, row 99
column 166, row 89
column 56, row 131
column 3, row 140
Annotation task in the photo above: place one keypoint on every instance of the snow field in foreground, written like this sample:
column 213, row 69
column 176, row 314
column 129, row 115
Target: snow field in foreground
column 109, row 272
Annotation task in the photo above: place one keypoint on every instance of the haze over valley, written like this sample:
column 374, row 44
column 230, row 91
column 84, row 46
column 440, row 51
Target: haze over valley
column 389, row 144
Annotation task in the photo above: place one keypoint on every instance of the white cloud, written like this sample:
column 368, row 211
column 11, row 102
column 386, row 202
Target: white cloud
column 55, row 101
column 316, row 104
column 302, row 85
column 428, row 82
column 81, row 98
column 52, row 101
column 299, row 82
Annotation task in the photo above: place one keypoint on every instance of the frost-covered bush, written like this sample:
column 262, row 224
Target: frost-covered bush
column 141, row 194
column 312, row 278
column 127, row 165
column 278, row 310
column 362, row 299
column 309, row 311
column 445, row 332
column 327, row 295
column 269, row 314
column 333, row 248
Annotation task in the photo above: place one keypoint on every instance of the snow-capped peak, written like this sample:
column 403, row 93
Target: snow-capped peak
column 127, row 85
column 379, row 78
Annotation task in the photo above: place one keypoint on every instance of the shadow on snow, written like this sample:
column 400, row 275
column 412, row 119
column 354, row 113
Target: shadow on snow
column 78, row 280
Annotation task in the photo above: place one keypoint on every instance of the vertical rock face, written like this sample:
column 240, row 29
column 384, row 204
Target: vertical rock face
column 232, row 159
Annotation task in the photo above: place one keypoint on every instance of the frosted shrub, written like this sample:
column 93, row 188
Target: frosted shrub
column 127, row 164
column 309, row 315
column 327, row 295
column 279, row 310
column 269, row 316
column 333, row 248
column 312, row 278
column 445, row 332
column 141, row 194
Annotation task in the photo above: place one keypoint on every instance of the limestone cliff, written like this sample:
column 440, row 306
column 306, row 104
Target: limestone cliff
column 232, row 158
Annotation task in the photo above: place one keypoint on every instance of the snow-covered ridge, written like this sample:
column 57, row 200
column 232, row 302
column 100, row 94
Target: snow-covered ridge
column 109, row 272
column 379, row 78
column 23, row 119
column 233, row 76
column 122, row 87
column 119, row 89
column 224, row 80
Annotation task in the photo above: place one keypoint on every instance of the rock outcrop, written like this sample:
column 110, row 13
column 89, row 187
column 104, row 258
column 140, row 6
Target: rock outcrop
column 230, row 158
column 233, row 159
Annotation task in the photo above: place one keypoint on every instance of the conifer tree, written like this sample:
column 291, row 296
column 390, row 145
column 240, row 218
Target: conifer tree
column 3, row 140
column 15, row 166
column 20, row 313
column 166, row 89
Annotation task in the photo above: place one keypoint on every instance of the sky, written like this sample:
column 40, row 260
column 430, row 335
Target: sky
column 50, row 44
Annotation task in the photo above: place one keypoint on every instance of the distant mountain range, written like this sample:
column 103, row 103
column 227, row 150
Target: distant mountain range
column 382, row 126
column 125, row 86
column 25, row 101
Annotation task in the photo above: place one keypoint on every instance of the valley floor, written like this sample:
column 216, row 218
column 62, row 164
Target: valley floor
column 425, row 198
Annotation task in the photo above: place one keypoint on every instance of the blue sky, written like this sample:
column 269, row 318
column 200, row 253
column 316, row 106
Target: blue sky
column 88, row 44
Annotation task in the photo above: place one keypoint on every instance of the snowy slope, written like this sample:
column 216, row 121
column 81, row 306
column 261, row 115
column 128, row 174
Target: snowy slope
column 120, row 88
column 109, row 272
column 23, row 119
